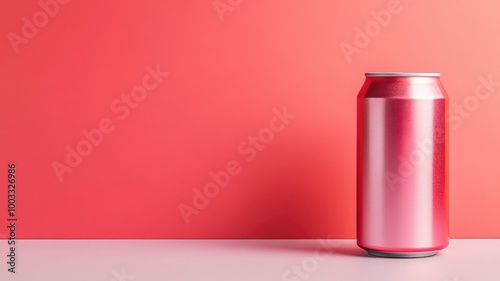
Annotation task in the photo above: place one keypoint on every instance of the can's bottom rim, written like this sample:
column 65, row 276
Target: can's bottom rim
column 402, row 74
column 401, row 254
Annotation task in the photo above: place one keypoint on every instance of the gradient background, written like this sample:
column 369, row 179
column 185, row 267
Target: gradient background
column 228, row 71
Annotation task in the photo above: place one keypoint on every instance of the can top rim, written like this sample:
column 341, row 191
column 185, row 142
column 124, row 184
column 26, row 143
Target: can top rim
column 402, row 74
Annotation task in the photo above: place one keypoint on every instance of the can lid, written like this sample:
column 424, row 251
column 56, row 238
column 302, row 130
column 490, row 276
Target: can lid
column 402, row 74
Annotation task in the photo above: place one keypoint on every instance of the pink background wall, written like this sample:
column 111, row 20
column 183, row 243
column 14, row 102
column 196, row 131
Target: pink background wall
column 234, row 67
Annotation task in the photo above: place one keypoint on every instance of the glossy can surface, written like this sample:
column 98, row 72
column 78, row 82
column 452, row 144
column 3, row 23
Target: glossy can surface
column 402, row 165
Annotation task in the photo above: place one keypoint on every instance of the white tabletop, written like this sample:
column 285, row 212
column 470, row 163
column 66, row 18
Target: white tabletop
column 255, row 260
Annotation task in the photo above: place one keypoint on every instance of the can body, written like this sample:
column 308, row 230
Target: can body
column 402, row 165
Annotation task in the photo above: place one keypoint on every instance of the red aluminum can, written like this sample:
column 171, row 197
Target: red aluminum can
column 402, row 165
